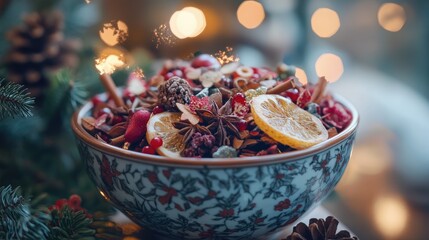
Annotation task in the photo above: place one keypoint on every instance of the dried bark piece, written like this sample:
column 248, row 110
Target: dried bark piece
column 117, row 130
column 88, row 123
column 332, row 132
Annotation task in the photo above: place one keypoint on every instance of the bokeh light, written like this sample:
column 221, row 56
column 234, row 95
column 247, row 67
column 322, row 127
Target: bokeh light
column 250, row 14
column 325, row 22
column 330, row 66
column 390, row 216
column 114, row 32
column 301, row 75
column 201, row 20
column 188, row 22
column 391, row 16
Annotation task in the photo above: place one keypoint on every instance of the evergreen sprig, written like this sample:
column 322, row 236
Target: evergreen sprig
column 67, row 224
column 15, row 101
column 16, row 218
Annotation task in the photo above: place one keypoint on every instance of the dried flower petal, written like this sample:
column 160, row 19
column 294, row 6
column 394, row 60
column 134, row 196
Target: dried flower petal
column 335, row 114
column 187, row 114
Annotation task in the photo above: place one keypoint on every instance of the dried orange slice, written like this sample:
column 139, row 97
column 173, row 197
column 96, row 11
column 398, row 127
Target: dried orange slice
column 287, row 123
column 161, row 125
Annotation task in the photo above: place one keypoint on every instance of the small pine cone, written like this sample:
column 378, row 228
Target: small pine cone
column 175, row 90
column 38, row 47
column 319, row 229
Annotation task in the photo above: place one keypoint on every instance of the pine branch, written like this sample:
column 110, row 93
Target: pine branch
column 15, row 101
column 69, row 225
column 16, row 219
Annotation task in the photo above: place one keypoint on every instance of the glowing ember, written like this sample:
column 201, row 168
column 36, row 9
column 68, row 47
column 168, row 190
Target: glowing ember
column 114, row 32
column 109, row 64
column 163, row 36
column 226, row 56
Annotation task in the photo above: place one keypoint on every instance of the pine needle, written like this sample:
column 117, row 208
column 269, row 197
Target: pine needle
column 16, row 219
column 15, row 101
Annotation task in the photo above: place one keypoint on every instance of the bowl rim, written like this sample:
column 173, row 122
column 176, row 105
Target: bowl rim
column 83, row 135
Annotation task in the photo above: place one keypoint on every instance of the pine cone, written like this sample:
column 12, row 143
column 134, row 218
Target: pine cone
column 319, row 229
column 175, row 90
column 38, row 47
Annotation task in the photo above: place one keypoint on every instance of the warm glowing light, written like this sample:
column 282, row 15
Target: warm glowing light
column 226, row 56
column 250, row 14
column 188, row 22
column 114, row 32
column 325, row 22
column 391, row 16
column 109, row 64
column 103, row 194
column 88, row 1
column 300, row 74
column 390, row 216
column 330, row 66
column 201, row 20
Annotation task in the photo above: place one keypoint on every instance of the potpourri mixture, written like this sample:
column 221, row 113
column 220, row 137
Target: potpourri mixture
column 200, row 108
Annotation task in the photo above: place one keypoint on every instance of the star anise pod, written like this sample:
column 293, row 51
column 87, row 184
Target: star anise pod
column 221, row 122
column 187, row 129
column 319, row 229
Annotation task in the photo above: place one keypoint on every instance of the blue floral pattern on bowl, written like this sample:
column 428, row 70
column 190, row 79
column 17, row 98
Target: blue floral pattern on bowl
column 206, row 202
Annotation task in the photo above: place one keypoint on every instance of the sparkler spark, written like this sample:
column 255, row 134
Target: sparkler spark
column 226, row 56
column 163, row 36
column 109, row 64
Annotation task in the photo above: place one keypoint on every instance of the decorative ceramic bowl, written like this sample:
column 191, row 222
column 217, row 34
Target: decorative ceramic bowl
column 240, row 198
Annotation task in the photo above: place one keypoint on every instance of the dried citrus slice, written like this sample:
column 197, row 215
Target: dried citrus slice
column 287, row 123
column 160, row 125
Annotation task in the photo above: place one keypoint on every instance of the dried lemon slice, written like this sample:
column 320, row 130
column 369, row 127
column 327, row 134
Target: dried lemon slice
column 161, row 125
column 287, row 123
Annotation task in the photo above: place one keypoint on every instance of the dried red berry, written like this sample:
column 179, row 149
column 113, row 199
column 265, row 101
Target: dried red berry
column 238, row 98
column 137, row 126
column 242, row 125
column 158, row 109
column 205, row 60
column 74, row 201
column 148, row 150
column 156, row 142
column 293, row 94
column 96, row 100
column 61, row 203
column 168, row 75
column 177, row 73
column 303, row 99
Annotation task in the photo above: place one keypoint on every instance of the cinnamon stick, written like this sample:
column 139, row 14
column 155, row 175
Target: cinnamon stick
column 288, row 84
column 110, row 87
column 319, row 90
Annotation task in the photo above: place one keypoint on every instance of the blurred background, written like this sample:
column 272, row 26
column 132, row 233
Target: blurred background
column 375, row 53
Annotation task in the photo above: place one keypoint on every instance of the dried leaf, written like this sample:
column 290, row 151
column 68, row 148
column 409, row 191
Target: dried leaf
column 187, row 115
column 117, row 130
column 88, row 123
column 237, row 143
column 332, row 132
